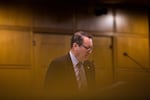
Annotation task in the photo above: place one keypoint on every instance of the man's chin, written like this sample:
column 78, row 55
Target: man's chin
column 86, row 59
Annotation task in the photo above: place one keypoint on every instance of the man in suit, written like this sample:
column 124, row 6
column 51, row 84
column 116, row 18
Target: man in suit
column 63, row 73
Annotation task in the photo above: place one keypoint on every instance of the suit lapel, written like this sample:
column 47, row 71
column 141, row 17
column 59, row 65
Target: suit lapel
column 69, row 69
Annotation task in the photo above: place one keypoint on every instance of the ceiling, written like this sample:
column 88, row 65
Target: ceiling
column 141, row 2
column 144, row 3
column 138, row 3
column 124, row 1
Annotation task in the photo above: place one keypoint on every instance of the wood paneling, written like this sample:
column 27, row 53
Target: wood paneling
column 47, row 48
column 17, row 68
column 132, row 21
column 15, row 48
column 134, row 84
column 133, row 69
column 15, row 82
column 15, row 15
column 86, row 20
column 54, row 19
column 102, row 57
column 137, row 50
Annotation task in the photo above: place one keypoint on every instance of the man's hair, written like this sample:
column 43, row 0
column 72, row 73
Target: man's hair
column 78, row 37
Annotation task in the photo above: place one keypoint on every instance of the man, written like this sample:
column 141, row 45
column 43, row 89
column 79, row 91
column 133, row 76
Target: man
column 72, row 73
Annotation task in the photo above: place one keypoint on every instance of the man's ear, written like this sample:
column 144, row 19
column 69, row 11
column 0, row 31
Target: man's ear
column 75, row 45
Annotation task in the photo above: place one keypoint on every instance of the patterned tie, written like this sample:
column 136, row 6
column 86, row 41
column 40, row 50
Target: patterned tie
column 81, row 77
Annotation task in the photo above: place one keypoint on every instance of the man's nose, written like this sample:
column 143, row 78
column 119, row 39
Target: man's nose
column 90, row 51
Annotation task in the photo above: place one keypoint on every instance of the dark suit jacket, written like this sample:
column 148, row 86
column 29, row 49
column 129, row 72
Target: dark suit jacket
column 60, row 77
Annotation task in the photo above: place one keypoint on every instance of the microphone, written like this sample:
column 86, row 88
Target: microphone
column 141, row 66
column 125, row 54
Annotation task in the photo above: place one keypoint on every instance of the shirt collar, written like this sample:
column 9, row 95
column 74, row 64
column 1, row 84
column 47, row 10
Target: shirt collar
column 73, row 59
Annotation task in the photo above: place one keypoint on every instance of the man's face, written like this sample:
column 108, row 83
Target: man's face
column 85, row 49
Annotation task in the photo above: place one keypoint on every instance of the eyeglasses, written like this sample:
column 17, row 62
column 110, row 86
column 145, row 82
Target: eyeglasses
column 87, row 48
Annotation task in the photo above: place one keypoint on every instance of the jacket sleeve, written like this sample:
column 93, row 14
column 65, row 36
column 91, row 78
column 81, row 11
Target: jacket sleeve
column 53, row 77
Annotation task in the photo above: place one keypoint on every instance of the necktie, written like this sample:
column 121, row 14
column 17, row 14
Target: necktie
column 81, row 77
